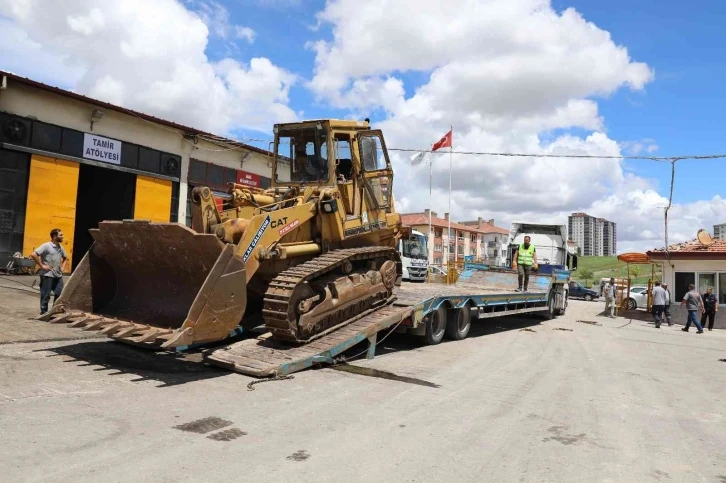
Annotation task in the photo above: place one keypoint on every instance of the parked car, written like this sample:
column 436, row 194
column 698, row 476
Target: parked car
column 577, row 291
column 638, row 297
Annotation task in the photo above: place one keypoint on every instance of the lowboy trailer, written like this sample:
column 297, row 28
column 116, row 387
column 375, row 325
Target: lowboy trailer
column 431, row 311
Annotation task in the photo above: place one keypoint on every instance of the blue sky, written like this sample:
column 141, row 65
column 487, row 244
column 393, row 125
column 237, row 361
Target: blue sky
column 504, row 78
column 681, row 110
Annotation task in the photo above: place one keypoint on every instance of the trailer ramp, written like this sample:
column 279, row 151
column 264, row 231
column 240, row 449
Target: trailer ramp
column 265, row 356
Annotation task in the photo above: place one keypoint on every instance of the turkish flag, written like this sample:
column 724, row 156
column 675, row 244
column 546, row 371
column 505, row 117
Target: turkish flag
column 445, row 142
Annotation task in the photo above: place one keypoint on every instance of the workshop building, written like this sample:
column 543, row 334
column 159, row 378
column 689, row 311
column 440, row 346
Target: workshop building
column 68, row 161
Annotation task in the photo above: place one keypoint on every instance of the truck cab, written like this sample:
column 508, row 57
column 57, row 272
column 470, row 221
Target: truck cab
column 414, row 257
column 550, row 242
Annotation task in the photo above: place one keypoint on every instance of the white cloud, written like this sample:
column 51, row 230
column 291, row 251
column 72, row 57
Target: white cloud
column 504, row 74
column 216, row 17
column 245, row 33
column 150, row 55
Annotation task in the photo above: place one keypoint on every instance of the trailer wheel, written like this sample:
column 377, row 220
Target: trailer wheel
column 562, row 311
column 549, row 314
column 458, row 323
column 436, row 326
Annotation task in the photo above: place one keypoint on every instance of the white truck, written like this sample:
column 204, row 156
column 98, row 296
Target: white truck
column 550, row 242
column 414, row 257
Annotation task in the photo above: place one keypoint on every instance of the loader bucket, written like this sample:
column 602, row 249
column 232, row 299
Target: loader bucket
column 155, row 284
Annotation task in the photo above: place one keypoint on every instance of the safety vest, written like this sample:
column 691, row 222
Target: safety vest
column 525, row 255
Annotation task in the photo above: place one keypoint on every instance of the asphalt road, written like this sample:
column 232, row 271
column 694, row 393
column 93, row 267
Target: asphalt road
column 615, row 402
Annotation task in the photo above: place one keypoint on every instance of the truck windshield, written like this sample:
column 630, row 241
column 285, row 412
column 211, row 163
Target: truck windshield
column 414, row 247
column 301, row 156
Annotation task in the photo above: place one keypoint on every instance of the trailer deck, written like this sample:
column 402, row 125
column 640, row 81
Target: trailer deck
column 264, row 356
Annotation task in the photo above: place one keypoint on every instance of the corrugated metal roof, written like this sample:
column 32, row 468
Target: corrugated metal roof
column 147, row 117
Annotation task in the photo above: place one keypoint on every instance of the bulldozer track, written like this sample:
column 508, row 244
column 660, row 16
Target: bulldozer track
column 278, row 297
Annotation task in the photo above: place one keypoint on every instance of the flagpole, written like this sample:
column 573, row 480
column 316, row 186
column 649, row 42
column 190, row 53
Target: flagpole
column 431, row 238
column 451, row 156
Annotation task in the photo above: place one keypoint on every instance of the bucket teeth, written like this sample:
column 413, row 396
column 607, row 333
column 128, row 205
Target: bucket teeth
column 99, row 324
column 151, row 335
column 115, row 327
column 63, row 318
column 130, row 331
column 83, row 321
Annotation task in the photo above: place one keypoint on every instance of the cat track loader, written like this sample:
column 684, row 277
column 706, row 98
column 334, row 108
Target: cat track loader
column 304, row 257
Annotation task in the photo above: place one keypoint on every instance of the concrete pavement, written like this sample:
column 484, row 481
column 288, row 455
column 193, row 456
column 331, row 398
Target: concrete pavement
column 615, row 402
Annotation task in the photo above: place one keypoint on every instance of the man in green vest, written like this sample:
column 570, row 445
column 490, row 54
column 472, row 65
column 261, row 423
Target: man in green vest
column 524, row 259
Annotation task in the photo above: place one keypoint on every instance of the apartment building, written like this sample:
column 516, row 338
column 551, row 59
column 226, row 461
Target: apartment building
column 719, row 231
column 480, row 239
column 593, row 236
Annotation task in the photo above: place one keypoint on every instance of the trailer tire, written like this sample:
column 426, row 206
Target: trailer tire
column 458, row 323
column 562, row 311
column 549, row 314
column 436, row 326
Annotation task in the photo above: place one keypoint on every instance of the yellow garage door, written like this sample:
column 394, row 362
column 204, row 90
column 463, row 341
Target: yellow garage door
column 52, row 191
column 153, row 199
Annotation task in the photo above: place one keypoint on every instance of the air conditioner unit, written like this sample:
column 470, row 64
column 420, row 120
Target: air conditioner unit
column 14, row 130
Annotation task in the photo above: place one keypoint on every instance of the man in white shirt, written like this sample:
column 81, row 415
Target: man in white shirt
column 610, row 298
column 659, row 303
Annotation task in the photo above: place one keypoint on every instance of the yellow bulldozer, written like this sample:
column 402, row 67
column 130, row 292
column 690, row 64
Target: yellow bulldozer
column 304, row 257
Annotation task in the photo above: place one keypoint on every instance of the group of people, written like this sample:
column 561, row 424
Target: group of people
column 706, row 304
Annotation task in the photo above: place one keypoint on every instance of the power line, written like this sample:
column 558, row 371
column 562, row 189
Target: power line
column 220, row 143
column 664, row 159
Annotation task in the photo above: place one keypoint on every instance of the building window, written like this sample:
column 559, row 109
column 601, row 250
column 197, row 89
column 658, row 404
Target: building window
column 437, row 233
column 438, row 260
column 438, row 247
column 472, row 237
column 706, row 281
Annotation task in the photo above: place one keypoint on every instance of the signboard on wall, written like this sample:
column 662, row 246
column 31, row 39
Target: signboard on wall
column 101, row 149
column 248, row 179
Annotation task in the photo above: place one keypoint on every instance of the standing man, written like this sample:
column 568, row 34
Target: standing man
column 710, row 307
column 610, row 298
column 51, row 257
column 668, row 304
column 659, row 303
column 693, row 302
column 524, row 259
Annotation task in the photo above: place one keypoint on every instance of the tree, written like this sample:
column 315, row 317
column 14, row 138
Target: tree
column 635, row 271
column 585, row 275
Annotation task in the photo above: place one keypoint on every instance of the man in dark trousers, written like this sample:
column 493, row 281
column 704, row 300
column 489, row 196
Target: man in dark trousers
column 693, row 302
column 51, row 257
column 710, row 307
column 524, row 260
column 659, row 303
column 667, row 310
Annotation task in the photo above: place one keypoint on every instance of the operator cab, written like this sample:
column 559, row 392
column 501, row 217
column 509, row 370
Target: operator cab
column 301, row 155
column 347, row 154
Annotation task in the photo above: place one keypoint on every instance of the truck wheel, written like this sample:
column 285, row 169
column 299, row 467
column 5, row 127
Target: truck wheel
column 558, row 312
column 549, row 314
column 458, row 323
column 436, row 326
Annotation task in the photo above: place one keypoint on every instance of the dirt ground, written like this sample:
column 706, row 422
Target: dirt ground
column 19, row 305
